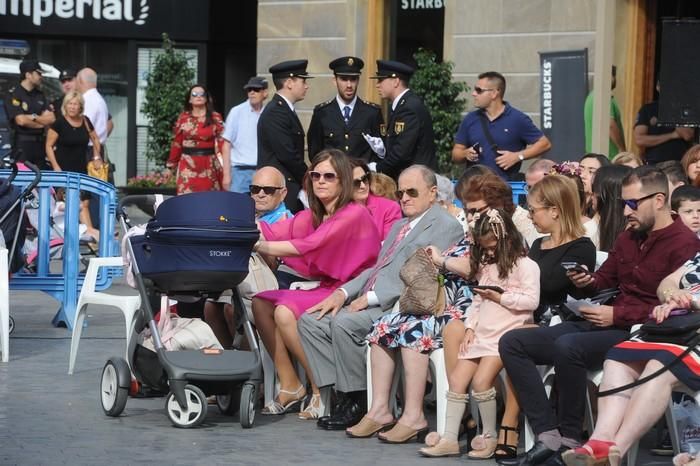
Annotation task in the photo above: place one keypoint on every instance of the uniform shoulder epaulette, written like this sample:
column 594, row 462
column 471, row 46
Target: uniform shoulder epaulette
column 324, row 104
column 371, row 104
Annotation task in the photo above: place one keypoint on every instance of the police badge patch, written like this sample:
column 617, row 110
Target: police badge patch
column 398, row 127
column 25, row 107
column 16, row 102
column 382, row 129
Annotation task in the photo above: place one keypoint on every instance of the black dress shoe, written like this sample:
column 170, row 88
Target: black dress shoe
column 340, row 401
column 556, row 459
column 348, row 417
column 535, row 456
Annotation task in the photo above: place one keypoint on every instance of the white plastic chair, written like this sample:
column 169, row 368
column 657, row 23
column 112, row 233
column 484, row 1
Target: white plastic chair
column 129, row 305
column 4, row 307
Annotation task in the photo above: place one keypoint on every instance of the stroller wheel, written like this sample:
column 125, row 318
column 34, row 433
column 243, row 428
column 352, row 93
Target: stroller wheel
column 12, row 325
column 112, row 395
column 229, row 404
column 195, row 412
column 248, row 400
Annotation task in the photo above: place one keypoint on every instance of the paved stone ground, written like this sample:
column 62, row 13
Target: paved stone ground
column 48, row 417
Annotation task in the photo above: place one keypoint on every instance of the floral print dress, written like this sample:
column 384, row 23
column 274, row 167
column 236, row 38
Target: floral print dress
column 424, row 333
column 197, row 173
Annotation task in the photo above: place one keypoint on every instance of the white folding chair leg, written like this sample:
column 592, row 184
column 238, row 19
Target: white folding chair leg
column 4, row 307
column 269, row 378
column 75, row 337
column 437, row 360
column 673, row 428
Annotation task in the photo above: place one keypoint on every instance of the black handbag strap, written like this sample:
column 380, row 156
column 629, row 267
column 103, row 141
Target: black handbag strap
column 638, row 382
column 487, row 133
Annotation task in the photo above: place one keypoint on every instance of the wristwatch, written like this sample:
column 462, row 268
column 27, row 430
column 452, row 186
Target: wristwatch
column 521, row 156
column 34, row 116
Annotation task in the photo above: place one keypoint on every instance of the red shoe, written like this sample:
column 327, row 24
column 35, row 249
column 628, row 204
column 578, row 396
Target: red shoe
column 593, row 453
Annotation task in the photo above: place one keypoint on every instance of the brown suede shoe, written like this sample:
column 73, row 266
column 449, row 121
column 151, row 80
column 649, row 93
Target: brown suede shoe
column 367, row 427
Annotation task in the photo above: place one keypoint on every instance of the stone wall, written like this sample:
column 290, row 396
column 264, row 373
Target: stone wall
column 506, row 36
column 318, row 30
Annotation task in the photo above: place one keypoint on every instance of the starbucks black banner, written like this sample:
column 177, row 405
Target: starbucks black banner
column 563, row 90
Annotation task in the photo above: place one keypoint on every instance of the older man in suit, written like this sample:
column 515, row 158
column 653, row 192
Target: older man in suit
column 333, row 332
column 280, row 134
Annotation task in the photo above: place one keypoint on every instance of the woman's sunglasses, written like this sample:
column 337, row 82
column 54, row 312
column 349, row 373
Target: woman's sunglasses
column 269, row 190
column 198, row 94
column 358, row 181
column 328, row 176
column 476, row 210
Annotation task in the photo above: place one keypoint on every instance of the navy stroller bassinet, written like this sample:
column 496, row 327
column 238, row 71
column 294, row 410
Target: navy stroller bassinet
column 12, row 222
column 198, row 243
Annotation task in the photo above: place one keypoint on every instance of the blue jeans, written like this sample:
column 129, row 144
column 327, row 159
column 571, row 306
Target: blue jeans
column 241, row 179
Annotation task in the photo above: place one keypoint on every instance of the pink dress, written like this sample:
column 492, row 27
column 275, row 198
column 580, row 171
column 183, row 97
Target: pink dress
column 384, row 212
column 338, row 250
column 491, row 320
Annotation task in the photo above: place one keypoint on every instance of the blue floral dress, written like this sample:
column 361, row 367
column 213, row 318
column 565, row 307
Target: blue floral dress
column 424, row 333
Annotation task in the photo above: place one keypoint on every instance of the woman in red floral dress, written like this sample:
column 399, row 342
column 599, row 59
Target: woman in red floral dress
column 196, row 142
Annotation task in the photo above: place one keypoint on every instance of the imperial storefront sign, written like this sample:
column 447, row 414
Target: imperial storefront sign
column 138, row 19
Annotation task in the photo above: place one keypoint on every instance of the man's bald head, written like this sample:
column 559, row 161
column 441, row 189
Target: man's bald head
column 86, row 79
column 272, row 179
column 537, row 170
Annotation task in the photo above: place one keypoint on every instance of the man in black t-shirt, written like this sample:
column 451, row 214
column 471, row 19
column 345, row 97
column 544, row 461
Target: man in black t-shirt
column 660, row 143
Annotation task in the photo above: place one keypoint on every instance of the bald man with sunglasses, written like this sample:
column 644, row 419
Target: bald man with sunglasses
column 496, row 134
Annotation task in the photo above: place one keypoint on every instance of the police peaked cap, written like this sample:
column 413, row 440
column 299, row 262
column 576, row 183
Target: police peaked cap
column 290, row 69
column 393, row 69
column 347, row 66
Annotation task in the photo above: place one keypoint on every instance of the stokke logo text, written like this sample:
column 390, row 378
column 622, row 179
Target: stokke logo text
column 110, row 10
column 219, row 253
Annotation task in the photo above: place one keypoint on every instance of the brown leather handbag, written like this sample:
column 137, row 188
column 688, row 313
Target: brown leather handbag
column 424, row 288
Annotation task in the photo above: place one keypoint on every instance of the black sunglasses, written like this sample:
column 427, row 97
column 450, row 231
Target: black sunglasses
column 412, row 192
column 475, row 210
column 328, row 176
column 481, row 90
column 254, row 89
column 634, row 203
column 358, row 181
column 269, row 190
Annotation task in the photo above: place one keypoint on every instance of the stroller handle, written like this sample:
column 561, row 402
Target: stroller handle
column 34, row 169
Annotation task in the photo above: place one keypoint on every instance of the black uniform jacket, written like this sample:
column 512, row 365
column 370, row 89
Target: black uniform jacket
column 281, row 140
column 329, row 131
column 409, row 137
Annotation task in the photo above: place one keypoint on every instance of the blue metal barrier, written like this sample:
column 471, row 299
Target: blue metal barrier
column 65, row 287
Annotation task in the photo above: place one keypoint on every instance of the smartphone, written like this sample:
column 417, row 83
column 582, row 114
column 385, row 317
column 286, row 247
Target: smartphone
column 497, row 289
column 574, row 267
column 476, row 147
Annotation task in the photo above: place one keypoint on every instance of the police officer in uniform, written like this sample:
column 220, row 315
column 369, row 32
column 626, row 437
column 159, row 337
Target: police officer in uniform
column 409, row 132
column 29, row 114
column 340, row 122
column 280, row 134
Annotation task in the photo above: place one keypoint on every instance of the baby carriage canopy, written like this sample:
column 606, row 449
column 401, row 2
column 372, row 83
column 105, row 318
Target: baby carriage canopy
column 198, row 243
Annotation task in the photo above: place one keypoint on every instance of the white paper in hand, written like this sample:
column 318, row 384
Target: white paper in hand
column 376, row 144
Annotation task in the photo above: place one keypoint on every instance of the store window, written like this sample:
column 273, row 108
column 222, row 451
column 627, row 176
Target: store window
column 109, row 60
column 146, row 59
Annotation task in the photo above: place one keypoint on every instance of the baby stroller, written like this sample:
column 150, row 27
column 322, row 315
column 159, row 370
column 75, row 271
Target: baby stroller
column 12, row 218
column 197, row 245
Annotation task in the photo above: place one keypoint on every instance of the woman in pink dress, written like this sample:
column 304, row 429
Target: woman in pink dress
column 332, row 241
column 384, row 211
column 507, row 293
